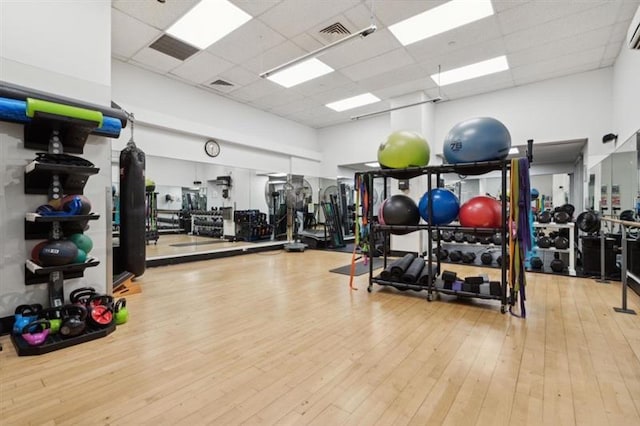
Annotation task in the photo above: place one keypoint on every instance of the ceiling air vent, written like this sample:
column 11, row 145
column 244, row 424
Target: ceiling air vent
column 336, row 28
column 173, row 47
column 219, row 82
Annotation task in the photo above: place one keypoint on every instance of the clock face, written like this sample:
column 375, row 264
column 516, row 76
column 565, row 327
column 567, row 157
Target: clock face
column 212, row 148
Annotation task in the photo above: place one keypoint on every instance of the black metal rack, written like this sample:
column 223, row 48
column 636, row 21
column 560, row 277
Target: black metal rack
column 434, row 285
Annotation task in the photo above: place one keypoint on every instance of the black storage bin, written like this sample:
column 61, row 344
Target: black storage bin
column 591, row 256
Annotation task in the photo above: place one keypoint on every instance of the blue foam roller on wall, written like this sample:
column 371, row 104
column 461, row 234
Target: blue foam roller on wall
column 13, row 110
column 110, row 127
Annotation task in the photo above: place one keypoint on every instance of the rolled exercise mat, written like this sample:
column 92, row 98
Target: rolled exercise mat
column 132, row 209
column 401, row 267
column 15, row 111
column 412, row 273
column 386, row 273
column 423, row 279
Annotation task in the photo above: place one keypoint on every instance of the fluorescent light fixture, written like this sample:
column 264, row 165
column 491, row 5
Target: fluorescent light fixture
column 448, row 16
column 207, row 22
column 304, row 71
column 514, row 150
column 479, row 69
column 362, row 33
column 353, row 102
column 375, row 164
column 277, row 174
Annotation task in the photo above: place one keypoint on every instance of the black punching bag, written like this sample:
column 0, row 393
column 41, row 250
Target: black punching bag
column 132, row 209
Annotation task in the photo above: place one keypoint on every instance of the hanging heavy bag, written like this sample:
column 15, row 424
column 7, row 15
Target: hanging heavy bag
column 132, row 209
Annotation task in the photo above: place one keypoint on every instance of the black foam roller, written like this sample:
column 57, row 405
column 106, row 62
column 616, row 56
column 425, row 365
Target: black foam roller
column 401, row 267
column 386, row 272
column 412, row 273
column 132, row 209
column 423, row 279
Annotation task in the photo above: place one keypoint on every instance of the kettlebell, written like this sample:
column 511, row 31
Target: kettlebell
column 36, row 332
column 536, row 262
column 471, row 239
column 73, row 320
column 82, row 295
column 100, row 310
column 455, row 256
column 121, row 312
column 561, row 243
column 23, row 315
column 544, row 242
column 468, row 257
column 54, row 316
column 561, row 217
column 544, row 217
column 553, row 234
column 486, row 258
column 557, row 265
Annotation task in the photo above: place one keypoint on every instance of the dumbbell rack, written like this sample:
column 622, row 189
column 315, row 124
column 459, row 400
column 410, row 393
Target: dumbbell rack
column 435, row 284
column 572, row 244
column 55, row 132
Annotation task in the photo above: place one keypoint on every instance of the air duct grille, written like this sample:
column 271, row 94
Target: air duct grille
column 336, row 28
column 173, row 47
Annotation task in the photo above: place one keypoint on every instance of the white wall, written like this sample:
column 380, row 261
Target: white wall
column 626, row 90
column 175, row 120
column 45, row 56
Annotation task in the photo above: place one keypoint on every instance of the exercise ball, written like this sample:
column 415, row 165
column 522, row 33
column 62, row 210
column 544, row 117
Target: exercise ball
column 57, row 253
column 82, row 241
column 404, row 149
column 81, row 257
column 149, row 185
column 534, row 194
column 477, row 139
column 445, row 206
column 400, row 210
column 480, row 212
column 67, row 203
column 35, row 252
column 381, row 213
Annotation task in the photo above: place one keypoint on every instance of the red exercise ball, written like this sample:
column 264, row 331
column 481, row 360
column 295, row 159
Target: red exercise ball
column 35, row 252
column 497, row 206
column 480, row 212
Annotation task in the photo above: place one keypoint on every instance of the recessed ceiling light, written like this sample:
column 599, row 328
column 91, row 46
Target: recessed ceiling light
column 353, row 102
column 304, row 71
column 514, row 150
column 374, row 164
column 490, row 66
column 207, row 22
column 448, row 16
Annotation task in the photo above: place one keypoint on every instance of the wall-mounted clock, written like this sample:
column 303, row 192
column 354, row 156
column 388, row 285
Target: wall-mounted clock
column 212, row 148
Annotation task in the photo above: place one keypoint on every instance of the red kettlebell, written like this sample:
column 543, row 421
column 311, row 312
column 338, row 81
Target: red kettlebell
column 100, row 310
column 36, row 332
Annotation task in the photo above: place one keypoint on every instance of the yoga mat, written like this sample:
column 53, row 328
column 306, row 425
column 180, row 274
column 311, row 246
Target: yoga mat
column 361, row 268
column 401, row 267
column 386, row 273
column 423, row 279
column 412, row 273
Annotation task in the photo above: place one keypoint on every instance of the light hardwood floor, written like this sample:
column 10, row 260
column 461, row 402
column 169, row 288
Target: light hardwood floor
column 274, row 338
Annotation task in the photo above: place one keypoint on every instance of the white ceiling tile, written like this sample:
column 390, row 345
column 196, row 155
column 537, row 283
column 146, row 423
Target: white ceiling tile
column 619, row 32
column 627, row 9
column 468, row 35
column 255, row 90
column 610, row 54
column 380, row 81
column 201, row 67
column 156, row 14
column 502, row 5
column 322, row 84
column 273, row 57
column 405, row 87
column 560, row 47
column 393, row 60
column 567, row 62
column 527, row 77
column 307, row 42
column 248, row 41
column 240, row 76
column 391, row 12
column 587, row 20
column 155, row 60
column 292, row 17
column 255, row 7
column 458, row 57
column 479, row 85
column 361, row 49
column 337, row 93
column 128, row 35
column 294, row 107
column 277, row 99
column 538, row 12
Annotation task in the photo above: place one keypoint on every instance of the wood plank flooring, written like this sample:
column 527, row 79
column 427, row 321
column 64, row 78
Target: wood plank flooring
column 274, row 338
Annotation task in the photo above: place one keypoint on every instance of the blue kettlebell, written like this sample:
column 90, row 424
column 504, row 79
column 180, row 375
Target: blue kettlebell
column 24, row 314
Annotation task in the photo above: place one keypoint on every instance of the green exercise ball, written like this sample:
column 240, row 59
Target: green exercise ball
column 81, row 257
column 404, row 149
column 83, row 242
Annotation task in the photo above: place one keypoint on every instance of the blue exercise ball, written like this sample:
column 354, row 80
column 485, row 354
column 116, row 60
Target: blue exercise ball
column 477, row 139
column 445, row 206
column 534, row 194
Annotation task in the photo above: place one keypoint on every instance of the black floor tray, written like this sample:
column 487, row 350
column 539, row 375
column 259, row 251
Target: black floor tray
column 55, row 342
column 35, row 274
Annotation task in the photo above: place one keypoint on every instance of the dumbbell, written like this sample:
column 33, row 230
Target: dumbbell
column 471, row 239
column 442, row 253
column 458, row 237
column 561, row 243
column 447, row 236
column 499, row 260
column 497, row 238
column 468, row 257
column 455, row 256
column 435, row 235
column 486, row 258
column 486, row 240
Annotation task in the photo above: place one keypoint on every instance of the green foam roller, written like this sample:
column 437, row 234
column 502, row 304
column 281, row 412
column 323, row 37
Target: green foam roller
column 38, row 105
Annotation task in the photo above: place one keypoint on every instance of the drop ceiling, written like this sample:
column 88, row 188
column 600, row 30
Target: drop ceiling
column 541, row 39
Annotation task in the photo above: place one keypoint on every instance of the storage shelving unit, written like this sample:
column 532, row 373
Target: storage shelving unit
column 572, row 244
column 434, row 285
column 208, row 223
